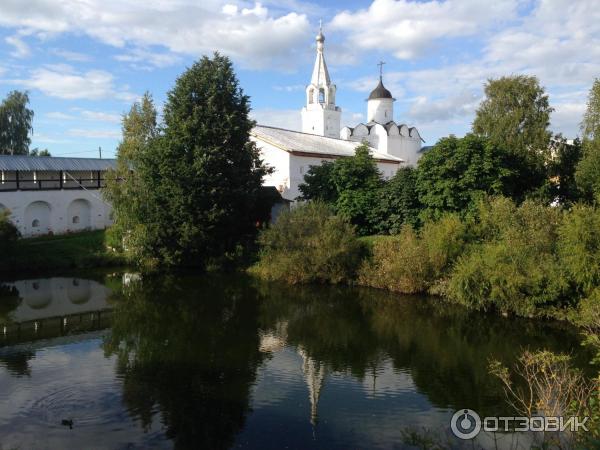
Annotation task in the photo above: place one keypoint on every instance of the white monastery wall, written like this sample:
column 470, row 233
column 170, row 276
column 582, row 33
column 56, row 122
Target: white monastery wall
column 41, row 212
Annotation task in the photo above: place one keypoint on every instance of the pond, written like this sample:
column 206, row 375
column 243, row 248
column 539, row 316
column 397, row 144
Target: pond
column 110, row 361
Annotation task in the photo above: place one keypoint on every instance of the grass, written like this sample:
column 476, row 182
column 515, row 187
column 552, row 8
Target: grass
column 78, row 250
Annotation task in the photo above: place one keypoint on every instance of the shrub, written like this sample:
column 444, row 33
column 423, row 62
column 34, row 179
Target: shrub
column 579, row 247
column 8, row 231
column 413, row 261
column 309, row 244
column 515, row 269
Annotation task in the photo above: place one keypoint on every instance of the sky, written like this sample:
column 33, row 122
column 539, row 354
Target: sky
column 85, row 62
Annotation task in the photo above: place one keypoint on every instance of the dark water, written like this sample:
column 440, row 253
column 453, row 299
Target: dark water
column 230, row 362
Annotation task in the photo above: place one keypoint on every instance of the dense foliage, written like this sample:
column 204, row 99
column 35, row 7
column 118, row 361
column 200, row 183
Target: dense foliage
column 9, row 233
column 309, row 244
column 349, row 185
column 15, row 124
column 197, row 181
column 457, row 172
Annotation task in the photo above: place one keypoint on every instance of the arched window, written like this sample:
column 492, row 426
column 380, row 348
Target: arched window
column 75, row 219
column 321, row 95
column 35, row 223
column 311, row 96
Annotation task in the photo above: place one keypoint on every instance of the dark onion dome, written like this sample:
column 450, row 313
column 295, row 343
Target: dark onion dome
column 380, row 92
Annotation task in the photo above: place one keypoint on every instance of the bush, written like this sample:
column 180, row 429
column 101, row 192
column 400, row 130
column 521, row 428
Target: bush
column 309, row 244
column 413, row 262
column 579, row 247
column 515, row 268
column 8, row 231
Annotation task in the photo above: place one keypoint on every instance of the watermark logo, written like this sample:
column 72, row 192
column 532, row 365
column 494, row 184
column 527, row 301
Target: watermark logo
column 466, row 424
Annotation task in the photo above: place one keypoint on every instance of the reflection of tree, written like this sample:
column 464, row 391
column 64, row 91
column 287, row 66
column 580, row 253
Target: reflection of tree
column 445, row 348
column 9, row 300
column 190, row 349
column 18, row 363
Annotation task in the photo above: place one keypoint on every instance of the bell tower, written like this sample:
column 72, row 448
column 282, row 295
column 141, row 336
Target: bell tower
column 320, row 115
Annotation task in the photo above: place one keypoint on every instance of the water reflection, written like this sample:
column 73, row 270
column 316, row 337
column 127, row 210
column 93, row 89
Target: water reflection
column 220, row 362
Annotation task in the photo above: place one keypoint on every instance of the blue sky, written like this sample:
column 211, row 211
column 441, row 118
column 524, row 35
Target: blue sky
column 84, row 63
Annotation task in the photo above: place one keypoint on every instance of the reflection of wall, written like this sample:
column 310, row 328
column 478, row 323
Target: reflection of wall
column 54, row 297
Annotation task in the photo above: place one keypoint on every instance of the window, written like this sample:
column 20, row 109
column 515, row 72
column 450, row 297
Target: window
column 75, row 219
column 35, row 223
column 321, row 95
column 311, row 94
column 301, row 169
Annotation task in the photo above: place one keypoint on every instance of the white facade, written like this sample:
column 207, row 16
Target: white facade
column 37, row 213
column 54, row 195
column 291, row 154
column 321, row 116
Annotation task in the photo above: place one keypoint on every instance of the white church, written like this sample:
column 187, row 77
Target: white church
column 60, row 195
column 291, row 153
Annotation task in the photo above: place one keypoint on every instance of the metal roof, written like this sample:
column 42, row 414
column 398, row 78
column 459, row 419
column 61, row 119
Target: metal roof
column 380, row 92
column 51, row 163
column 305, row 143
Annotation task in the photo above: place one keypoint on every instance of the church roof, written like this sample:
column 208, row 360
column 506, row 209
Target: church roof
column 320, row 75
column 305, row 144
column 380, row 92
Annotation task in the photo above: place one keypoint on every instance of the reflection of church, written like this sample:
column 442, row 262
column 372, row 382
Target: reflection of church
column 313, row 371
column 291, row 153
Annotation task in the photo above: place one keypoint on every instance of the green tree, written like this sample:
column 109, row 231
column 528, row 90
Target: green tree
column 398, row 203
column 15, row 124
column 587, row 175
column 561, row 169
column 350, row 185
column 515, row 114
column 590, row 126
column 37, row 152
column 199, row 179
column 318, row 183
column 357, row 181
column 457, row 172
column 9, row 233
column 124, row 189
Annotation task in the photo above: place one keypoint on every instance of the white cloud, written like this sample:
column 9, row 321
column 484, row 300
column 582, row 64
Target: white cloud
column 253, row 35
column 426, row 110
column 557, row 41
column 94, row 134
column 57, row 115
column 567, row 117
column 408, row 28
column 64, row 82
column 100, row 116
column 290, row 88
column 21, row 49
column 283, row 118
column 71, row 56
column 146, row 60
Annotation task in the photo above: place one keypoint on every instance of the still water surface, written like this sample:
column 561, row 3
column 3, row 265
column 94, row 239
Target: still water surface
column 111, row 362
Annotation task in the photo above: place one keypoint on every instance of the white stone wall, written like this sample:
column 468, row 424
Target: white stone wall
column 42, row 212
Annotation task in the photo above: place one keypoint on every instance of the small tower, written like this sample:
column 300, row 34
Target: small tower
column 320, row 115
column 380, row 104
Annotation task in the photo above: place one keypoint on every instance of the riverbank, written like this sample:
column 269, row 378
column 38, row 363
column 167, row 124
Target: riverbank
column 70, row 251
